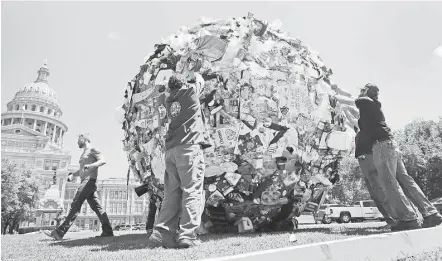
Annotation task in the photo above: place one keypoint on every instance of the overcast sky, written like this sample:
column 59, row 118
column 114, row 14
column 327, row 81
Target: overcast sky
column 95, row 48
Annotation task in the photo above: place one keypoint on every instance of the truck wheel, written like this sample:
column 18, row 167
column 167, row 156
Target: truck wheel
column 345, row 217
column 326, row 220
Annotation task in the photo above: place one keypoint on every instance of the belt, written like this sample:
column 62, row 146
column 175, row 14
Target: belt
column 381, row 140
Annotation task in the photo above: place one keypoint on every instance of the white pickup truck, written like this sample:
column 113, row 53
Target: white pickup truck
column 357, row 212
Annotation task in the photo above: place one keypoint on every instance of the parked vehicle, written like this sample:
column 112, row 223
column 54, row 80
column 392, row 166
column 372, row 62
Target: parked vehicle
column 123, row 228
column 437, row 203
column 139, row 227
column 357, row 212
column 321, row 216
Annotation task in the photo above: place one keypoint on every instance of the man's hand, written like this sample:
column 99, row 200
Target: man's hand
column 70, row 177
column 88, row 167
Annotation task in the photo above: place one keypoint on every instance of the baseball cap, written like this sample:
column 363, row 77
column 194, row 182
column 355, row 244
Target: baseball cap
column 372, row 87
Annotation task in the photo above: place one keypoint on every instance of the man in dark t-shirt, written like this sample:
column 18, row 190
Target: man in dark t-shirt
column 181, row 208
column 401, row 190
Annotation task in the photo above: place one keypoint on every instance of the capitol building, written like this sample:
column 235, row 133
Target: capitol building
column 32, row 135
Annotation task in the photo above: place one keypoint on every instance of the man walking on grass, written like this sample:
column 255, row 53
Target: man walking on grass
column 90, row 161
column 400, row 189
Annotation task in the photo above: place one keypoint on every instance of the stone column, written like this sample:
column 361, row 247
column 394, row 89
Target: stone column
column 59, row 137
column 126, row 211
column 144, row 204
column 35, row 124
column 45, row 128
column 103, row 194
column 54, row 133
column 107, row 199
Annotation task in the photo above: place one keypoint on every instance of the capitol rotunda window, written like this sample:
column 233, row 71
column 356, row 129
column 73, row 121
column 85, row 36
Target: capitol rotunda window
column 47, row 165
column 55, row 164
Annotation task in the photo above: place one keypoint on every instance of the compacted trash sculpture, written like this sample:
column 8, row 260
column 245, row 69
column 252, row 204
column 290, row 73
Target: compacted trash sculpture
column 276, row 130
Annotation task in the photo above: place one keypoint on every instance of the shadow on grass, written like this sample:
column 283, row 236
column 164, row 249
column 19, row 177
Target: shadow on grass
column 140, row 241
column 322, row 230
column 116, row 243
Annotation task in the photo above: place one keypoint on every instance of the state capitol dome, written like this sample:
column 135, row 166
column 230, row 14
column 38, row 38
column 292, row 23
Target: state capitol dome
column 39, row 90
column 36, row 107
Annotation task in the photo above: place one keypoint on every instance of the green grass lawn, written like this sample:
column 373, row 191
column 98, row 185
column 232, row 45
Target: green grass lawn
column 132, row 245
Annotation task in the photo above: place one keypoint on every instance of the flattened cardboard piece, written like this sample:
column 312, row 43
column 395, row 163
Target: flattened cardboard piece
column 138, row 97
column 163, row 77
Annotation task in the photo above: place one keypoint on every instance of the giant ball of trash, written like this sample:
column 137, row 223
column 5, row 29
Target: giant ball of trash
column 276, row 131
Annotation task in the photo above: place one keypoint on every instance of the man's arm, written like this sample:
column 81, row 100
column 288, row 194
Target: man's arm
column 100, row 159
column 345, row 100
column 341, row 92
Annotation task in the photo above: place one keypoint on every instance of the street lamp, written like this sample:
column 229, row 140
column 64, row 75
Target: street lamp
column 54, row 178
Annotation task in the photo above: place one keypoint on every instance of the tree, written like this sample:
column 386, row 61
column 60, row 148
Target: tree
column 20, row 194
column 435, row 176
column 352, row 186
column 421, row 145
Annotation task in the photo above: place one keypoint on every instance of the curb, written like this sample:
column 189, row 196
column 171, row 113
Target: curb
column 384, row 247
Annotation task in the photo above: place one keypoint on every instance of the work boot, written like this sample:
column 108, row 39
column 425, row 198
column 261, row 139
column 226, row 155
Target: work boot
column 432, row 220
column 162, row 238
column 391, row 225
column 105, row 226
column 187, row 243
column 406, row 225
column 54, row 234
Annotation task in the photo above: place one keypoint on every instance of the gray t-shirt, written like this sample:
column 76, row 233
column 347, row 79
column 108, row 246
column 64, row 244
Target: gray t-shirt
column 89, row 156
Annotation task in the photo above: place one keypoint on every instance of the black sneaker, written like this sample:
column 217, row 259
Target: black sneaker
column 432, row 221
column 53, row 234
column 187, row 243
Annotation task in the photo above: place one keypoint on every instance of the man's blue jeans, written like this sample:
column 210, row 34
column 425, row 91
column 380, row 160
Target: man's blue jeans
column 374, row 187
column 400, row 188
column 86, row 191
column 183, row 191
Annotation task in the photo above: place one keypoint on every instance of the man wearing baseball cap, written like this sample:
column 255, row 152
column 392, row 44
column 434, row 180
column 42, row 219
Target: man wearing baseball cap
column 90, row 161
column 400, row 189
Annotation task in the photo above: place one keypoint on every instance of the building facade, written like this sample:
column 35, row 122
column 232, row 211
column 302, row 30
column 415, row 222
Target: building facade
column 117, row 198
column 32, row 134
